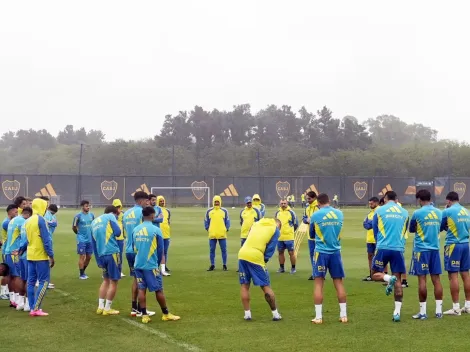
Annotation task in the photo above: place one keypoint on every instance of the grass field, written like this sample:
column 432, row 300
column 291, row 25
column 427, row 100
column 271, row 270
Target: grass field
column 212, row 316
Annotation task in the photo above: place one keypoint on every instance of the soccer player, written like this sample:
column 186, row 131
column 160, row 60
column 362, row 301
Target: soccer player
column 312, row 207
column 248, row 216
column 105, row 231
column 20, row 203
column 82, row 228
column 326, row 225
column 12, row 259
column 51, row 220
column 24, row 272
column 120, row 239
column 390, row 224
column 158, row 211
column 425, row 223
column 258, row 248
column 12, row 212
column 258, row 205
column 217, row 223
column 286, row 240
column 302, row 198
column 133, row 218
column 40, row 256
column 456, row 222
column 165, row 227
column 370, row 239
column 148, row 245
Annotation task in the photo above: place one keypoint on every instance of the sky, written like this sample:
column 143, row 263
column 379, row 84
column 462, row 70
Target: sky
column 121, row 66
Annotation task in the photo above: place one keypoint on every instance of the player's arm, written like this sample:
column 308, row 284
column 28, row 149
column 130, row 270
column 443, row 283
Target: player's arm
column 46, row 239
column 444, row 224
column 294, row 222
column 95, row 250
column 241, row 218
column 159, row 249
column 413, row 224
column 207, row 220
column 311, row 232
column 23, row 241
column 367, row 223
column 169, row 215
column 271, row 246
column 159, row 217
column 263, row 209
column 258, row 215
column 305, row 217
column 227, row 220
column 76, row 220
column 115, row 227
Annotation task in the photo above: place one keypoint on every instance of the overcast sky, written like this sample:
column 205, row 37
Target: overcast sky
column 121, row 66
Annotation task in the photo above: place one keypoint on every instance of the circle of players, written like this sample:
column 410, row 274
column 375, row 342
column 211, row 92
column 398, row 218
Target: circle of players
column 142, row 233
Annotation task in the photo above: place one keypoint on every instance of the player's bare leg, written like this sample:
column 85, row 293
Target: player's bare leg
column 245, row 297
column 369, row 259
column 423, row 296
column 438, row 294
column 81, row 264
column 293, row 260
column 142, row 296
column 102, row 296
column 454, row 290
column 466, row 287
column 271, row 299
column 341, row 294
column 87, row 261
column 318, row 300
column 398, row 294
column 135, row 294
column 167, row 316
column 282, row 261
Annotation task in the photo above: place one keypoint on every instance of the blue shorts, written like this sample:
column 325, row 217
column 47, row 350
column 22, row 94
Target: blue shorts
column 426, row 263
column 13, row 262
column 385, row 256
column 84, row 248
column 456, row 257
column 252, row 272
column 24, row 269
column 371, row 248
column 120, row 245
column 330, row 262
column 111, row 265
column 282, row 245
column 131, row 260
column 149, row 280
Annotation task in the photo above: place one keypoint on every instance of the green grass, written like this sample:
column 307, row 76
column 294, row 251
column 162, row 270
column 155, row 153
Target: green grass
column 212, row 316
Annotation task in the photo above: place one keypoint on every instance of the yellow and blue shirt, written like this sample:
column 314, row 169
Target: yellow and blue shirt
column 426, row 224
column 82, row 221
column 370, row 238
column 289, row 223
column 38, row 239
column 51, row 221
column 217, row 221
column 326, row 225
column 14, row 234
column 165, row 224
column 157, row 221
column 456, row 221
column 105, row 231
column 132, row 218
column 248, row 216
column 148, row 246
column 258, row 205
column 308, row 212
column 120, row 217
column 4, row 233
column 390, row 226
column 260, row 245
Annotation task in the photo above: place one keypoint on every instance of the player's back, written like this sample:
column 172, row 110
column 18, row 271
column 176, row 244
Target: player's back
column 327, row 223
column 260, row 235
column 390, row 225
column 456, row 221
column 426, row 224
column 131, row 219
column 14, row 234
column 146, row 244
column 102, row 231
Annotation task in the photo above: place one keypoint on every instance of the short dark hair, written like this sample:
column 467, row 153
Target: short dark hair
column 53, row 207
column 151, row 195
column 110, row 209
column 147, row 211
column 11, row 207
column 374, row 199
column 27, row 210
column 423, row 195
column 391, row 195
column 6, row 270
column 382, row 201
column 140, row 195
column 46, row 198
column 452, row 197
column 19, row 200
column 84, row 202
column 312, row 194
column 323, row 199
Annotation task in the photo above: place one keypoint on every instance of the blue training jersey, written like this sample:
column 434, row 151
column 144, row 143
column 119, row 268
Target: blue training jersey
column 131, row 219
column 148, row 245
column 4, row 231
column 157, row 221
column 14, row 234
column 425, row 223
column 105, row 229
column 325, row 225
column 83, row 223
column 390, row 224
column 456, row 221
column 51, row 222
column 23, row 240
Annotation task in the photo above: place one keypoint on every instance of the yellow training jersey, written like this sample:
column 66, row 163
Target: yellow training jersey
column 309, row 210
column 121, row 237
column 254, row 248
column 39, row 239
column 289, row 223
column 217, row 221
column 370, row 232
column 248, row 216
column 165, row 225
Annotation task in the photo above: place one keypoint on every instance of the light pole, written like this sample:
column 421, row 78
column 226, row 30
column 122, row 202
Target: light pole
column 79, row 181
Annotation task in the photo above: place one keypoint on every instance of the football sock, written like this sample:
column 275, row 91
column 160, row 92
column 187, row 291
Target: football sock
column 108, row 305
column 456, row 306
column 342, row 310
column 134, row 305
column 467, row 304
column 165, row 310
column 247, row 314
column 82, row 272
column 422, row 308
column 101, row 303
column 439, row 306
column 282, row 266
column 387, row 278
column 397, row 308
column 275, row 313
column 318, row 311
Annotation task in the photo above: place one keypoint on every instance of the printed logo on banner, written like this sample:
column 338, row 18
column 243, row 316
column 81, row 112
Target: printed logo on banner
column 283, row 189
column 47, row 191
column 230, row 191
column 460, row 188
column 385, row 190
column 360, row 188
column 109, row 188
column 312, row 188
column 197, row 189
column 143, row 187
column 11, row 188
column 410, row 190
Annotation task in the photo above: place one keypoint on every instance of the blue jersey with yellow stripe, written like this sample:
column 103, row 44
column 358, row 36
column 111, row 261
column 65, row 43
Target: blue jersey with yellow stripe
column 425, row 223
column 4, row 233
column 105, row 229
column 456, row 221
column 390, row 224
column 326, row 225
column 132, row 218
column 148, row 245
column 14, row 234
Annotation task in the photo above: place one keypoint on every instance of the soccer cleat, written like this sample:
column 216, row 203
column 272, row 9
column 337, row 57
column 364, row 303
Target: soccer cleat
column 404, row 283
column 110, row 312
column 317, row 321
column 453, row 312
column 164, row 273
column 211, row 268
column 310, row 278
column 420, row 316
column 122, row 275
column 390, row 285
column 83, row 277
column 20, row 307
column 280, row 270
column 51, row 286
column 13, row 305
column 439, row 315
column 135, row 313
column 170, row 317
column 4, row 297
column 465, row 310
column 396, row 318
column 225, row 268
column 293, row 271
column 343, row 320
column 247, row 318
column 38, row 313
column 367, row 278
column 99, row 311
column 146, row 319
column 278, row 318
column 167, row 269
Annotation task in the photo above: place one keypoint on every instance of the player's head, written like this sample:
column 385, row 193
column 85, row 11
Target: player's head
column 12, row 211
column 374, row 202
column 20, row 202
column 111, row 209
column 311, row 196
column 4, row 270
column 217, row 201
column 283, row 204
column 148, row 213
column 118, row 204
column 323, row 200
column 278, row 223
column 141, row 198
column 452, row 198
column 53, row 209
column 390, row 196
column 382, row 201
column 85, row 204
column 161, row 201
column 29, row 201
column 248, row 202
column 423, row 196
column 153, row 199
column 27, row 212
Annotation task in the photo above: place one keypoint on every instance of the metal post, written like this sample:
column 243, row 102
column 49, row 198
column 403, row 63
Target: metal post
column 79, row 185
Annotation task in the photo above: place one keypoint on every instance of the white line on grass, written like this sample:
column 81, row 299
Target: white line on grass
column 160, row 334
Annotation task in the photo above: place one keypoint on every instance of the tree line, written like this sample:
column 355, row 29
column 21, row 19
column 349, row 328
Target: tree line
column 274, row 141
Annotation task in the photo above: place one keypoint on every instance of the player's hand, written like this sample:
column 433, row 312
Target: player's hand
column 160, row 216
column 51, row 262
column 15, row 253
